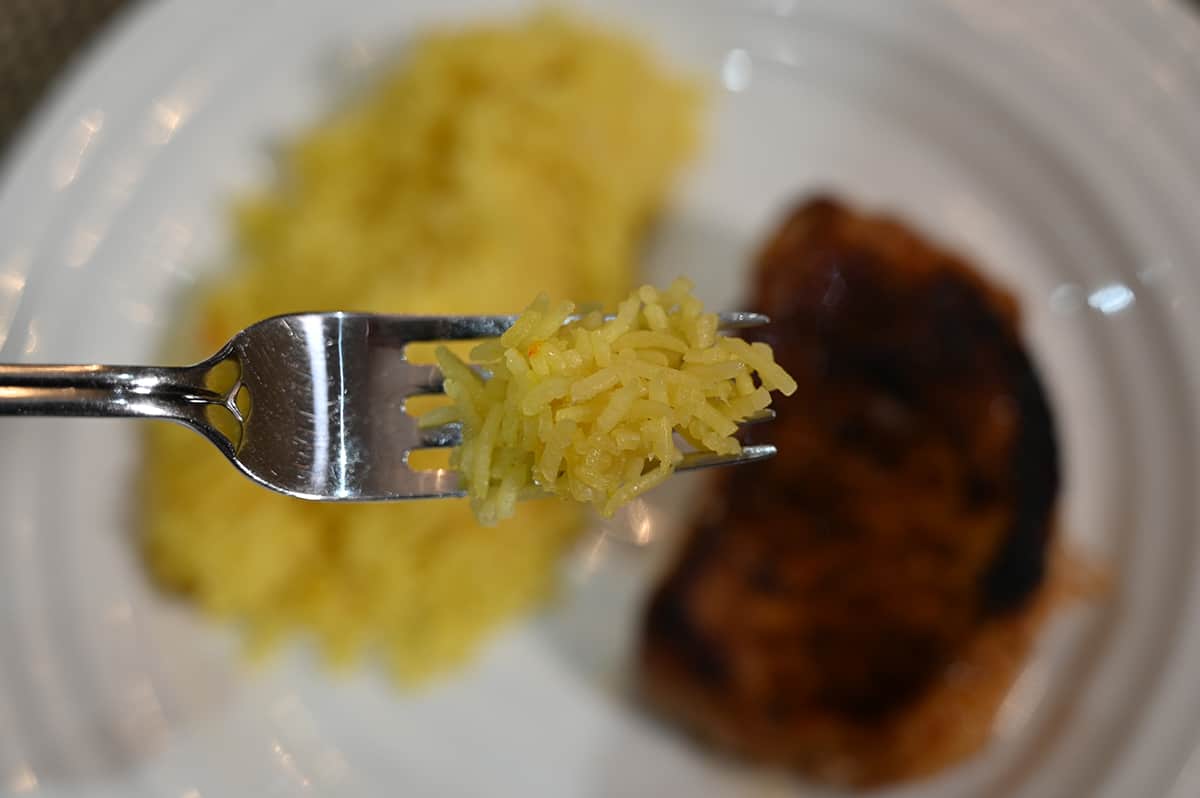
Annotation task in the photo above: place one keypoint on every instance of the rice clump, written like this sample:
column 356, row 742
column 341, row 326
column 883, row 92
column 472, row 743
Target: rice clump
column 588, row 408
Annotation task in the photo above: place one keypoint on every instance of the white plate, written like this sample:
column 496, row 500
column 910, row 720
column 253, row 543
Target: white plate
column 1057, row 142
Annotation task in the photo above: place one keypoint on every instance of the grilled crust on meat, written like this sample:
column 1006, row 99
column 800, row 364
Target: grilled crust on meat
column 821, row 608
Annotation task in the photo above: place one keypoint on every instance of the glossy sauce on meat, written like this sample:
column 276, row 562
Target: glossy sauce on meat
column 827, row 590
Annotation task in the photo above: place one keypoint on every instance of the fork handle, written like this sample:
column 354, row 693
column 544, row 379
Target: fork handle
column 175, row 393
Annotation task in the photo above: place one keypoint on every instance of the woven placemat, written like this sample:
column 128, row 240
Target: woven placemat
column 37, row 39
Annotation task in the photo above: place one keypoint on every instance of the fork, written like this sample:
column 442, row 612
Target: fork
column 316, row 407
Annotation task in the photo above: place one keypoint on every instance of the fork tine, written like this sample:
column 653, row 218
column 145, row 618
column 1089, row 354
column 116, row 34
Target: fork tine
column 453, row 328
column 741, row 320
column 451, row 434
column 750, row 454
column 759, row 417
column 445, row 483
column 410, row 329
column 422, row 378
column 438, row 437
column 426, row 378
column 439, row 483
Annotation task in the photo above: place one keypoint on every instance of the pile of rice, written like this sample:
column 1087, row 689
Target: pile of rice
column 496, row 162
column 589, row 408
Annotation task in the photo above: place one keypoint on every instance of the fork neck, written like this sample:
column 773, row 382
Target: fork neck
column 174, row 393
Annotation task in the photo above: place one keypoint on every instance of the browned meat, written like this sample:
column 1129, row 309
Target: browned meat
column 826, row 591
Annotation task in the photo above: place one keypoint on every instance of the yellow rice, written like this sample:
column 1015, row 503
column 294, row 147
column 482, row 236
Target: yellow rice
column 496, row 161
column 589, row 409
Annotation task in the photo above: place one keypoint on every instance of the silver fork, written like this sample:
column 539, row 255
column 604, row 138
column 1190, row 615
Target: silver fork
column 325, row 419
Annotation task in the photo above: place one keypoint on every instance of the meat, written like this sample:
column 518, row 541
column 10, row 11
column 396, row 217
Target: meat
column 826, row 593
